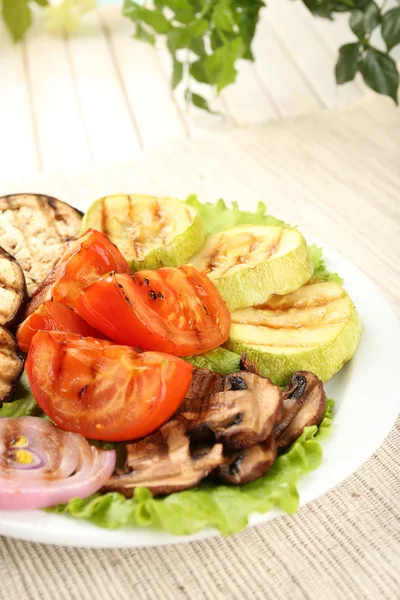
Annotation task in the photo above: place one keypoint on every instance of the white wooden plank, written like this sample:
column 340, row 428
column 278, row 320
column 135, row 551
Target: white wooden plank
column 60, row 134
column 279, row 74
column 295, row 26
column 18, row 149
column 147, row 88
column 247, row 100
column 199, row 122
column 108, row 120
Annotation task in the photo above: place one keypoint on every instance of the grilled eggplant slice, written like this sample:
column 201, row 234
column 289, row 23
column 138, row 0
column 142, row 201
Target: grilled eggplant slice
column 13, row 293
column 37, row 229
column 11, row 364
column 165, row 463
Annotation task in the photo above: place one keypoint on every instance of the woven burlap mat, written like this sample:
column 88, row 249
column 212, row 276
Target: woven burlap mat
column 344, row 545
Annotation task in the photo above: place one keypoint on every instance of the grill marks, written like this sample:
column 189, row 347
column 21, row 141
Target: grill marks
column 229, row 252
column 104, row 216
column 296, row 313
column 36, row 229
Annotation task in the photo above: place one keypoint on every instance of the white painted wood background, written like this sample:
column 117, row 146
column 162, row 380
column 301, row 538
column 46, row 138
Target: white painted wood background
column 101, row 97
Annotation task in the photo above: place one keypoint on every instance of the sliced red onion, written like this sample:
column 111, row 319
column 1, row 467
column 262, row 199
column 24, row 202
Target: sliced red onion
column 41, row 465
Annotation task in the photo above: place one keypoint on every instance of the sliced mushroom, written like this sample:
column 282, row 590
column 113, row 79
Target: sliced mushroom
column 248, row 465
column 304, row 403
column 165, row 463
column 204, row 383
column 242, row 415
column 246, row 364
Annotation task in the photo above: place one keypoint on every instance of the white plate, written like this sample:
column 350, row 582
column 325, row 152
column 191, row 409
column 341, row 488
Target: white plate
column 365, row 413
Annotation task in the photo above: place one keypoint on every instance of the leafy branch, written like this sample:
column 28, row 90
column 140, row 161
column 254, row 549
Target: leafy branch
column 217, row 33
column 207, row 38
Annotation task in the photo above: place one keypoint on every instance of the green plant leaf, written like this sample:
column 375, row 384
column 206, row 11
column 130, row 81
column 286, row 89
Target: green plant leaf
column 152, row 17
column 347, row 64
column 143, row 35
column 198, row 71
column 197, row 46
column 198, row 101
column 182, row 37
column 380, row 73
column 17, row 17
column 223, row 17
column 363, row 22
column 42, row 2
column 177, row 73
column 220, row 66
column 391, row 28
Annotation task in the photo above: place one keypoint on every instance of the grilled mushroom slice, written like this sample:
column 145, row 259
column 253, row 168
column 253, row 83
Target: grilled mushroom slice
column 13, row 292
column 204, row 383
column 304, row 403
column 11, row 364
column 36, row 229
column 249, row 464
column 246, row 364
column 242, row 415
column 165, row 463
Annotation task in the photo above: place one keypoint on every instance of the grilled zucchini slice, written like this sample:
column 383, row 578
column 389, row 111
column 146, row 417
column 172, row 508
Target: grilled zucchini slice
column 150, row 232
column 13, row 293
column 37, row 229
column 11, row 364
column 316, row 328
column 250, row 263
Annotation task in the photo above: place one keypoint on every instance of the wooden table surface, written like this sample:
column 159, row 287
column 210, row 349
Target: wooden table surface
column 78, row 106
column 101, row 97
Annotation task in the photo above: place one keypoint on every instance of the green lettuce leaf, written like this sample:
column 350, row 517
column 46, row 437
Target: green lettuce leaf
column 225, row 507
column 219, row 216
column 23, row 403
column 220, row 360
column 320, row 270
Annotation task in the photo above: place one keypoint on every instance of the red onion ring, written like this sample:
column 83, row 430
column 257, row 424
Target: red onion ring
column 41, row 465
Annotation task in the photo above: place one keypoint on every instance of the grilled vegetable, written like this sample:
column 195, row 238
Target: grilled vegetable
column 87, row 259
column 316, row 328
column 243, row 414
column 248, row 465
column 171, row 310
column 150, row 232
column 101, row 390
column 11, row 364
column 53, row 316
column 165, row 462
column 41, row 466
column 13, row 292
column 37, row 229
column 304, row 403
column 248, row 264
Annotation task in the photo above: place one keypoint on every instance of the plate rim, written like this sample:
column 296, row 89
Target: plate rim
column 28, row 525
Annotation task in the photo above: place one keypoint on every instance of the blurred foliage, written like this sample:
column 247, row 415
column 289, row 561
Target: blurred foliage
column 207, row 38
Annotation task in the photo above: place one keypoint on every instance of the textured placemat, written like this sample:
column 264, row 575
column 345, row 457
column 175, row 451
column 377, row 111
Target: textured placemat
column 345, row 167
column 344, row 545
